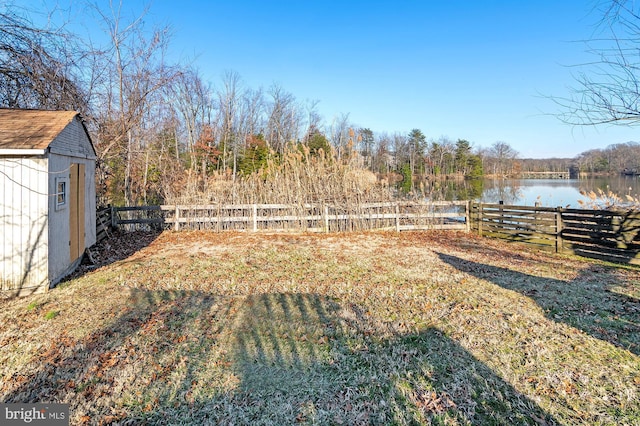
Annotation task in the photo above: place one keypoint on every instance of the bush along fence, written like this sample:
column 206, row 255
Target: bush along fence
column 601, row 234
column 397, row 216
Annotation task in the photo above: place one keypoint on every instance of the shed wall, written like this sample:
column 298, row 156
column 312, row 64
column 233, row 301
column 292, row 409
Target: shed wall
column 23, row 224
column 73, row 141
column 60, row 261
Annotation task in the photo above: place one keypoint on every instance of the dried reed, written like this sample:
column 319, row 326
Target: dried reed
column 296, row 178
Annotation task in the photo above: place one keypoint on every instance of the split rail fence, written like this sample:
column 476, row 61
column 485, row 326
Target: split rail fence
column 602, row 234
column 103, row 223
column 284, row 217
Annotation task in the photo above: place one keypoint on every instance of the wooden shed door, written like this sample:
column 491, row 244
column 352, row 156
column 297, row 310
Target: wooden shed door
column 76, row 210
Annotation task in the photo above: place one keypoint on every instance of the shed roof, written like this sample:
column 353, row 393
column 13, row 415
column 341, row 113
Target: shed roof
column 31, row 129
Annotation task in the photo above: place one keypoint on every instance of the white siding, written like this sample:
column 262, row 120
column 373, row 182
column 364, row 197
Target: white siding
column 90, row 203
column 59, row 230
column 34, row 234
column 59, row 254
column 23, row 224
column 73, row 141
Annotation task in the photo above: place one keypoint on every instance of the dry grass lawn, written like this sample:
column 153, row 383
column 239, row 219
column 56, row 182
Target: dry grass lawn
column 363, row 328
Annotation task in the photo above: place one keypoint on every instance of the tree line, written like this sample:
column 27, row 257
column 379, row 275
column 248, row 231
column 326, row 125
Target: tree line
column 612, row 159
column 159, row 127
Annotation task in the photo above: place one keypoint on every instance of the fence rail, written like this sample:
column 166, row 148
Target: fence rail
column 104, row 223
column 601, row 234
column 307, row 217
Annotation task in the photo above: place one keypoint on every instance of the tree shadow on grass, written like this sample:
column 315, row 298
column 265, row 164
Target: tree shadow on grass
column 275, row 358
column 137, row 363
column 588, row 302
column 305, row 358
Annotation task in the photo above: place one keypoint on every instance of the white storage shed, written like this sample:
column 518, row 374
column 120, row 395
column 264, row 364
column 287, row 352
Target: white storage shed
column 48, row 206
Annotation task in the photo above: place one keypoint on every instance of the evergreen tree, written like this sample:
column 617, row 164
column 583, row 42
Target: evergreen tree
column 417, row 143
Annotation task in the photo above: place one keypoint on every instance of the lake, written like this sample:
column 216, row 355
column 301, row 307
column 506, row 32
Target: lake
column 546, row 192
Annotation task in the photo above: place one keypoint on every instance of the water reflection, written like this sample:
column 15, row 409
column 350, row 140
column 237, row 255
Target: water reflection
column 451, row 190
column 528, row 192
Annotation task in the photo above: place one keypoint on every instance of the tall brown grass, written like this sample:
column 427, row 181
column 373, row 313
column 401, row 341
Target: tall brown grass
column 300, row 190
column 296, row 178
column 608, row 200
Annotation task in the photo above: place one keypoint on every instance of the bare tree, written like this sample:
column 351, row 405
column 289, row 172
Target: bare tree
column 284, row 118
column 502, row 157
column 383, row 158
column 192, row 99
column 400, row 153
column 607, row 90
column 339, row 134
column 38, row 67
column 136, row 75
column 228, row 106
column 250, row 124
column 252, row 112
column 314, row 119
column 441, row 155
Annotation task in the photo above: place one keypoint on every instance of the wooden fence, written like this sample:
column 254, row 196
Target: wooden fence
column 601, row 234
column 103, row 223
column 308, row 217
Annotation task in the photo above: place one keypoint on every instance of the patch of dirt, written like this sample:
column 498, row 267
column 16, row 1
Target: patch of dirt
column 118, row 246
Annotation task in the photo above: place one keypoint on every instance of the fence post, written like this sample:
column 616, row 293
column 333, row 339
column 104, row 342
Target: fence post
column 325, row 211
column 176, row 224
column 397, row 217
column 467, row 214
column 114, row 219
column 101, row 219
column 559, row 228
column 254, row 213
column 480, row 219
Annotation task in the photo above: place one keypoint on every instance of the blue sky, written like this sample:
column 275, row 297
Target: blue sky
column 478, row 70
